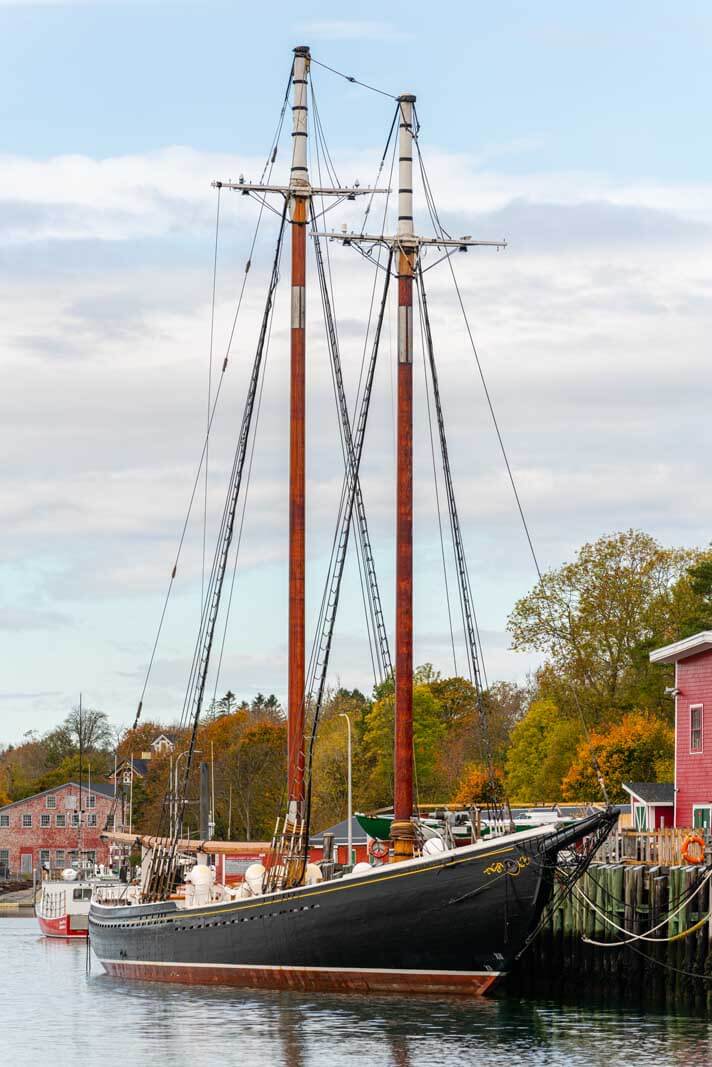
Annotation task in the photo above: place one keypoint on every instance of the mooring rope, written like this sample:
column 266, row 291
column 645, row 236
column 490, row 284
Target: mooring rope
column 646, row 936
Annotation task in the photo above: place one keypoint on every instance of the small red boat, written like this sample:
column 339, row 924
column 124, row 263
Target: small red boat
column 62, row 907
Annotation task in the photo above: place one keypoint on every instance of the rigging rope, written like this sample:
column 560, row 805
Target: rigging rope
column 467, row 604
column 366, row 565
column 266, row 172
column 210, row 388
column 354, row 81
column 244, row 510
column 437, row 490
column 352, row 499
column 162, row 873
column 441, row 231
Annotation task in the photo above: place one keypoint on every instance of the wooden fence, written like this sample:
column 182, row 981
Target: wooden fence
column 649, row 846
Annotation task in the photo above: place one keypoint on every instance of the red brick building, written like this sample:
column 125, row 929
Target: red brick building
column 43, row 830
column 692, row 659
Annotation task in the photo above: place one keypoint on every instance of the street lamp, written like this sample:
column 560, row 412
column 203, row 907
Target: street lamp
column 343, row 715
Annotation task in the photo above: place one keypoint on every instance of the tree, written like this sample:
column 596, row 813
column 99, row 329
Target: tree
column 330, row 777
column 134, row 742
column 377, row 747
column 257, row 766
column 474, row 730
column 223, row 706
column 695, row 591
column 543, row 744
column 21, row 766
column 595, row 619
column 639, row 748
column 267, row 709
column 97, row 765
column 479, row 787
column 89, row 729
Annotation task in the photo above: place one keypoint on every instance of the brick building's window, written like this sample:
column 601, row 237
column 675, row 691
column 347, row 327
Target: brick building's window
column 696, row 728
column 26, row 820
column 91, row 803
column 4, row 862
column 4, row 820
column 51, row 801
column 75, row 819
column 91, row 820
column 73, row 856
column 60, row 820
column 44, row 857
column 59, row 858
column 45, row 820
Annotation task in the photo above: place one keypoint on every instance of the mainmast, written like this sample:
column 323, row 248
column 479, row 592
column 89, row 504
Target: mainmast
column 402, row 830
column 407, row 245
column 300, row 197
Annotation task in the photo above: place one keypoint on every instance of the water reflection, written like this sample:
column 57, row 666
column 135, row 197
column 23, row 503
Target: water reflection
column 49, row 1004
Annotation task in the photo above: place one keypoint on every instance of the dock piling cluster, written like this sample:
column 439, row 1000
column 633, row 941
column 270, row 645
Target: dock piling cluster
column 671, row 967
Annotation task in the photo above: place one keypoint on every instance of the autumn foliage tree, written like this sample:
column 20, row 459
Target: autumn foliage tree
column 478, row 786
column 640, row 748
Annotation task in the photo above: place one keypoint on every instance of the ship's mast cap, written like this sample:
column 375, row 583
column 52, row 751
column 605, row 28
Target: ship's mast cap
column 406, row 98
column 301, row 50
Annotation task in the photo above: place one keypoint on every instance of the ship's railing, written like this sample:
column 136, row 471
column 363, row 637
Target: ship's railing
column 118, row 895
column 53, row 904
column 662, row 846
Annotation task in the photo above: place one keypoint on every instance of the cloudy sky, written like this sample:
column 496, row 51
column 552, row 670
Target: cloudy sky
column 579, row 135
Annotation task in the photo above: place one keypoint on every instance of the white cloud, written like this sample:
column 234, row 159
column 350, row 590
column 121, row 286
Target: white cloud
column 593, row 331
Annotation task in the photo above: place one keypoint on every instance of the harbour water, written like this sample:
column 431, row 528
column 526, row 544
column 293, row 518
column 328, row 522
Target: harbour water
column 55, row 1011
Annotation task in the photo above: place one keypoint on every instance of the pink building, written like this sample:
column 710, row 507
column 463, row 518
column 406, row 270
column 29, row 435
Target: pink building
column 692, row 659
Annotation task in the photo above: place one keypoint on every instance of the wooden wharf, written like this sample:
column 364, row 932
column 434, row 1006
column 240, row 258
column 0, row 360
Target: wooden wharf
column 671, row 967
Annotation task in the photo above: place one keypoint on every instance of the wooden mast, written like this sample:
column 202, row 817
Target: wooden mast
column 297, row 436
column 299, row 193
column 407, row 246
column 402, row 830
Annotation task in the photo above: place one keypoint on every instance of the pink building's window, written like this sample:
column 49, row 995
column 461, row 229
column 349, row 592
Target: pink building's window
column 696, row 728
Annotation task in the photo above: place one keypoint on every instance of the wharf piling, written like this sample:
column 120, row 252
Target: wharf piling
column 668, row 905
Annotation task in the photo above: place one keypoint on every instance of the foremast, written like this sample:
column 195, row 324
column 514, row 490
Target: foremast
column 299, row 210
column 287, row 847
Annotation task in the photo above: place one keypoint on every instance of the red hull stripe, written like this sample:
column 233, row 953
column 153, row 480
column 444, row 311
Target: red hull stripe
column 325, row 979
column 59, row 927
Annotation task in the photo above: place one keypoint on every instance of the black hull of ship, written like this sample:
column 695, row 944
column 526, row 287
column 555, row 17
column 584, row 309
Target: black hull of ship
column 449, row 924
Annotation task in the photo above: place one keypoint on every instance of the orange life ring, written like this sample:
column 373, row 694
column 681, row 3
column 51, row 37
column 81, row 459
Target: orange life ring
column 377, row 849
column 693, row 839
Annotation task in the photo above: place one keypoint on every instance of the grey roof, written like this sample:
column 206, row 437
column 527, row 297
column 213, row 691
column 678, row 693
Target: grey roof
column 105, row 789
column 652, row 792
column 140, row 766
column 341, row 834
